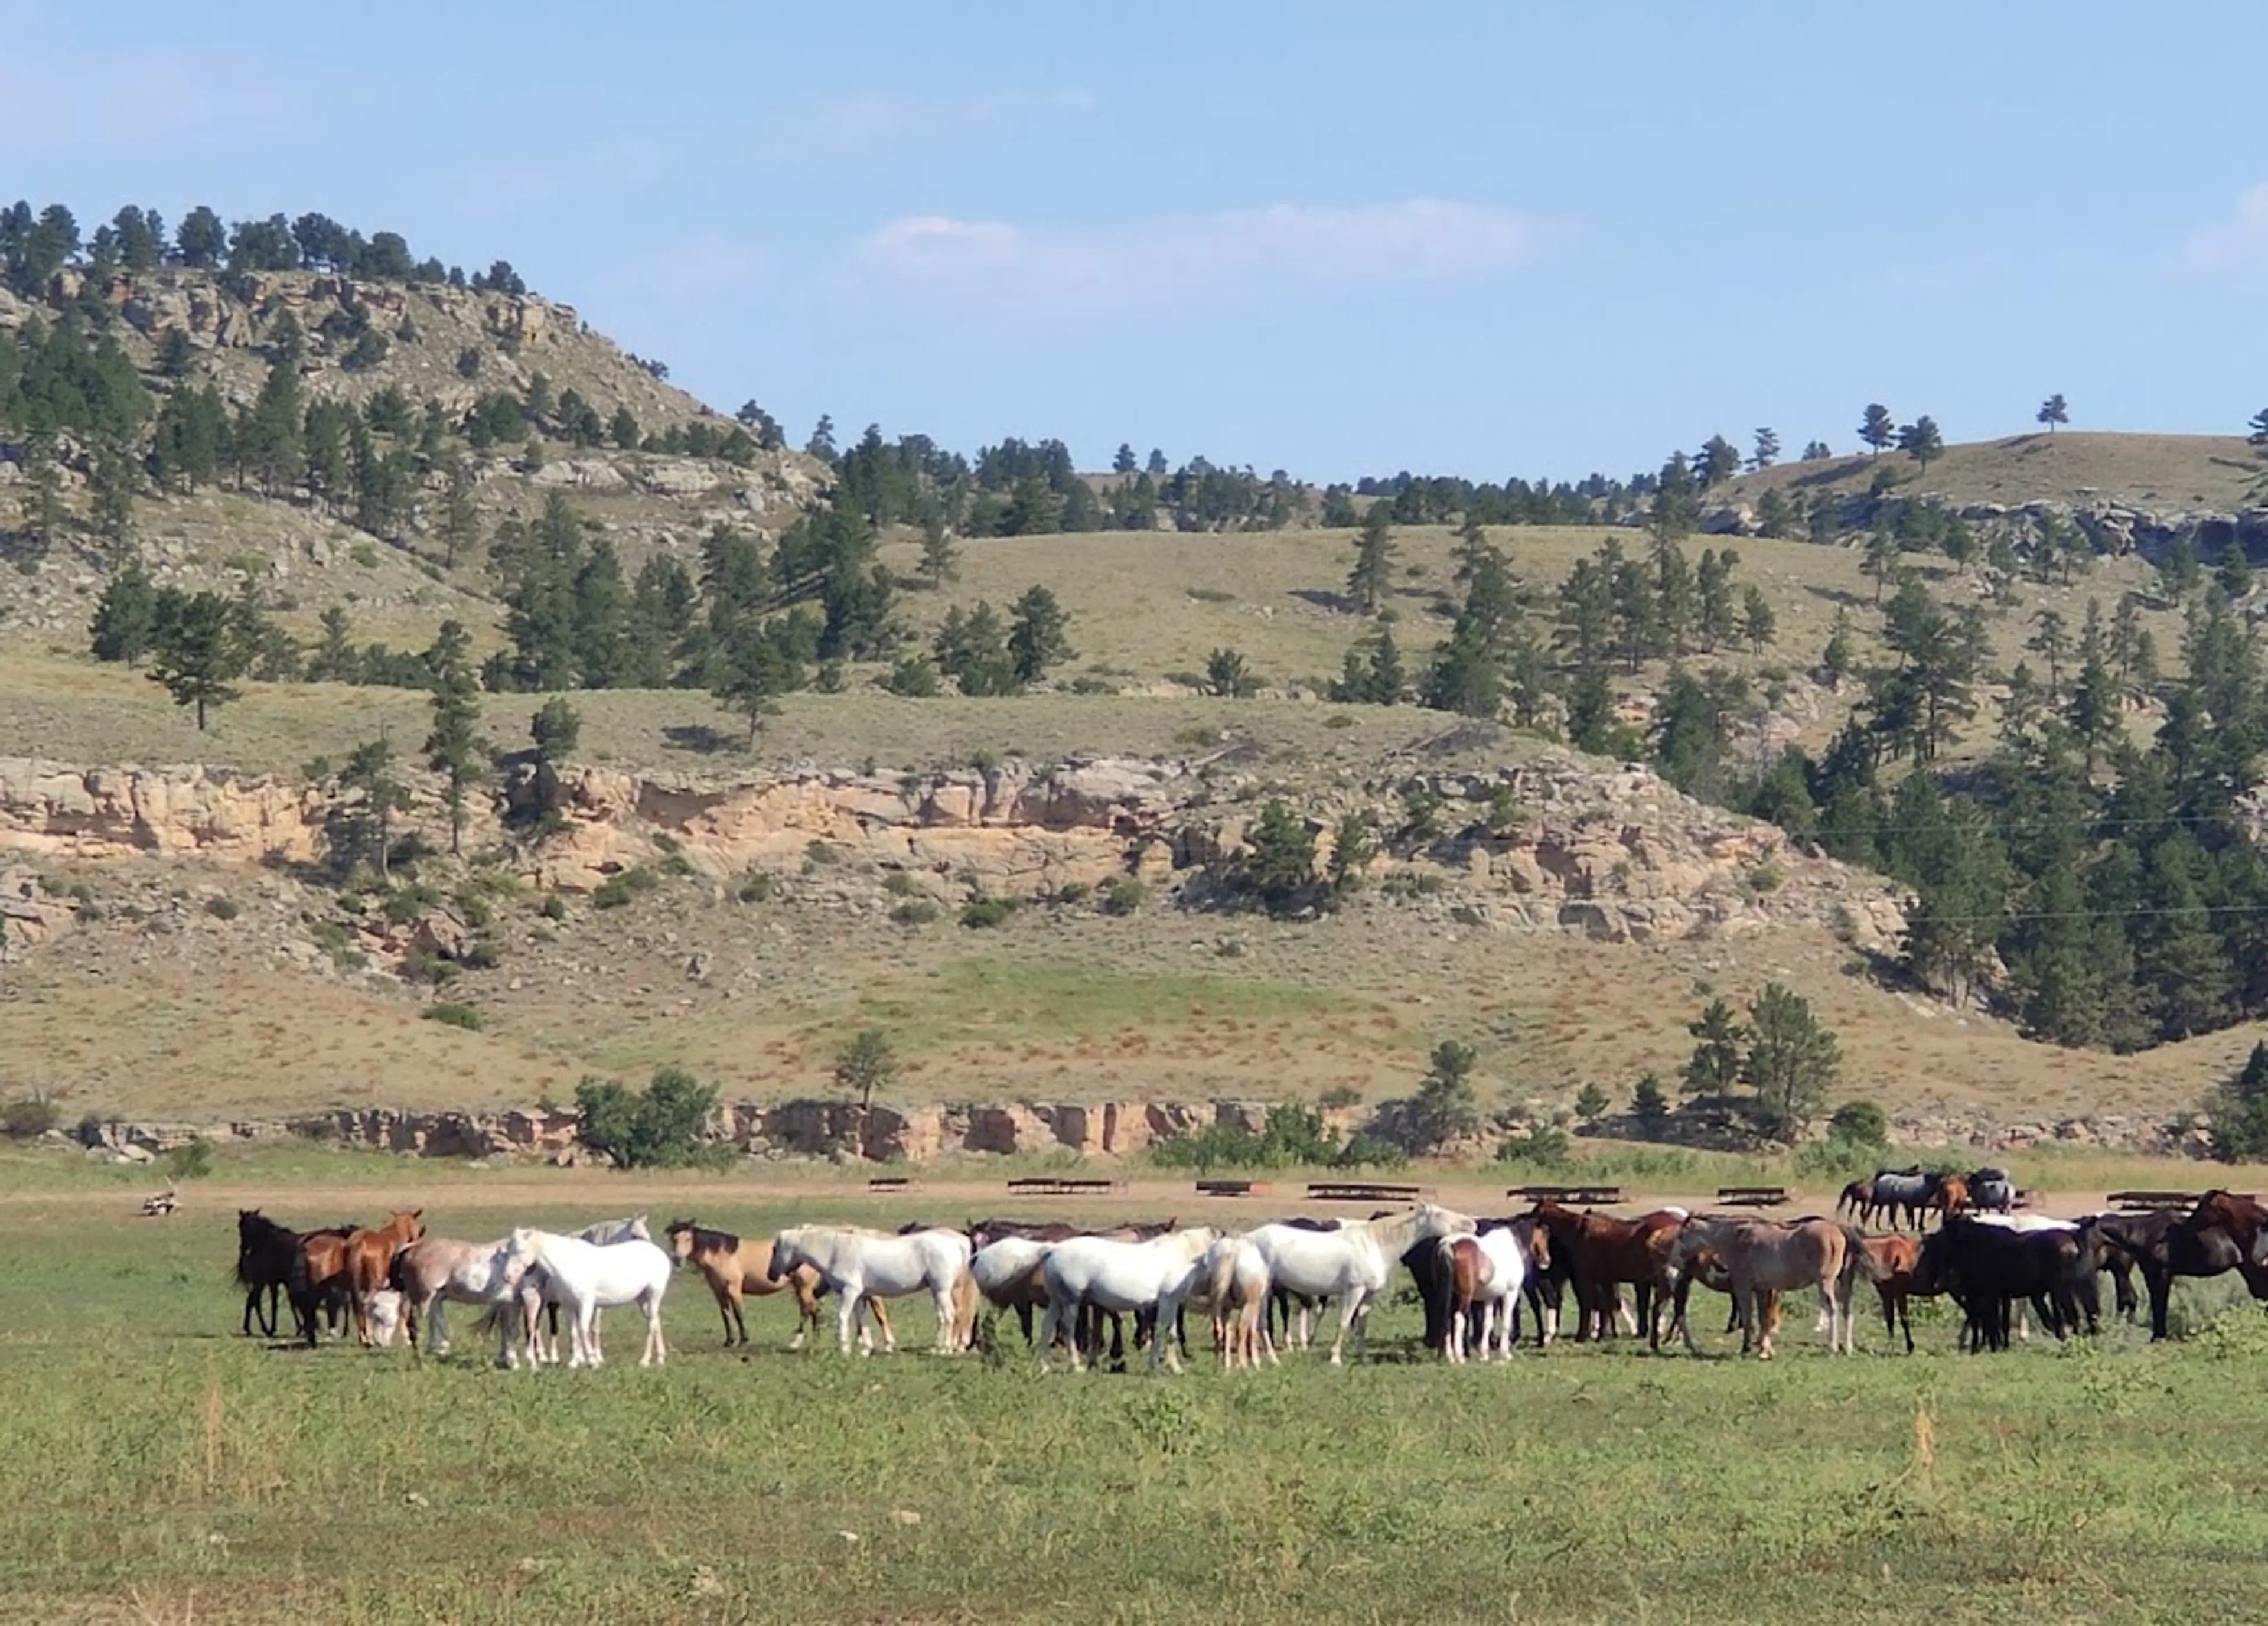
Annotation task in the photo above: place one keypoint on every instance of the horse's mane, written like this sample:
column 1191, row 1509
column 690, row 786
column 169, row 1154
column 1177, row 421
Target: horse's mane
column 705, row 1241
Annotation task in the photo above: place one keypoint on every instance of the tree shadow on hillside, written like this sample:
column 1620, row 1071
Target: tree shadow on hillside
column 1840, row 596
column 700, row 738
column 1828, row 473
column 1323, row 598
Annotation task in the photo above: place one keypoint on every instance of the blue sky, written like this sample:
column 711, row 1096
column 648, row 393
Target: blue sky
column 1490, row 238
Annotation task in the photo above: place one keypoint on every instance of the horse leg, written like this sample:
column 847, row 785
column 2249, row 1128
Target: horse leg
column 947, row 1340
column 724, row 1298
column 657, row 1349
column 843, row 1318
column 1453, row 1346
column 1349, row 1306
column 740, row 1317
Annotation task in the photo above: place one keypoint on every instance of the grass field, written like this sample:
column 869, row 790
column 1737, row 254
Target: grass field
column 154, row 1467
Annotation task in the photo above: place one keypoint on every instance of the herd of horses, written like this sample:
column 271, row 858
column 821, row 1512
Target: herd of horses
column 1476, row 1277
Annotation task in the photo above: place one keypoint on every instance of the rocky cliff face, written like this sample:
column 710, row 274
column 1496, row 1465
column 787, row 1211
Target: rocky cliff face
column 1617, row 855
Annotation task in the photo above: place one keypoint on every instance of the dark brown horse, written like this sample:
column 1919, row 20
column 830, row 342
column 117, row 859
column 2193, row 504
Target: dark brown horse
column 2166, row 1243
column 264, row 1253
column 318, row 1282
column 1605, row 1252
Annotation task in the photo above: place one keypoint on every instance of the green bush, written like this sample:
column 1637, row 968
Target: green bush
column 27, row 1116
column 222, row 908
column 915, row 912
column 618, row 889
column 1541, row 1146
column 405, row 904
column 554, row 907
column 1122, row 895
column 1294, row 1136
column 422, row 964
column 899, row 883
column 658, row 1127
column 450, row 1014
column 1837, row 1159
column 191, row 1161
column 982, row 913
column 482, row 954
column 1861, row 1122
column 755, row 887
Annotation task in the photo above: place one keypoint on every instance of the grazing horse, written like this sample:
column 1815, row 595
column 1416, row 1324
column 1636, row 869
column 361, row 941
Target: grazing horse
column 734, row 1268
column 1488, row 1268
column 370, row 1259
column 1762, row 1257
column 264, row 1253
column 1858, row 1200
column 436, row 1270
column 860, row 1264
column 1604, row 1252
column 1126, row 1276
column 1351, row 1262
column 2165, row 1243
column 585, row 1277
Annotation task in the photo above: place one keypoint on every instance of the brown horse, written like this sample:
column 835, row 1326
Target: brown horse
column 1605, row 1252
column 370, row 1261
column 1894, row 1258
column 1765, row 1258
column 1949, row 1196
column 734, row 1268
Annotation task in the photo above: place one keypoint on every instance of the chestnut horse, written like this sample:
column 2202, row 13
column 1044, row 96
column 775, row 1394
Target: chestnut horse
column 369, row 1260
column 1604, row 1252
column 317, row 1281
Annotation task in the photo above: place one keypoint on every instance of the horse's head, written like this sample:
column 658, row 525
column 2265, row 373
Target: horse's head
column 522, row 1250
column 681, row 1240
column 785, row 1256
column 638, row 1228
column 407, row 1225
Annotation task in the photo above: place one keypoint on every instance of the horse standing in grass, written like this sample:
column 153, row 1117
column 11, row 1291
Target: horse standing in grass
column 1603, row 1252
column 1763, row 1258
column 369, row 1260
column 1858, row 1200
column 1155, row 1275
column 1353, row 1263
column 318, row 1282
column 436, row 1271
column 860, row 1264
column 585, row 1277
column 264, row 1254
column 1486, row 1269
column 1237, row 1285
column 734, row 1268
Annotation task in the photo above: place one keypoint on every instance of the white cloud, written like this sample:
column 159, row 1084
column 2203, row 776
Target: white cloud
column 860, row 124
column 1175, row 258
column 2237, row 244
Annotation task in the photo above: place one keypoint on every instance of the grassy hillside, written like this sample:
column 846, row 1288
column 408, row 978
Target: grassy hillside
column 2162, row 473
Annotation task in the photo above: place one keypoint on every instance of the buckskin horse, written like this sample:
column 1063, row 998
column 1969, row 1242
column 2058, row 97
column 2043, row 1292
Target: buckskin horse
column 734, row 1268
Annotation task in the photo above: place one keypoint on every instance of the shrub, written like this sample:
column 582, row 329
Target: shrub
column 1541, row 1146
column 27, row 1117
column 1590, row 1102
column 405, row 904
column 1339, row 719
column 982, row 913
column 1122, row 895
column 658, row 1127
column 1861, row 1122
column 618, row 889
column 554, row 907
column 422, row 964
column 899, row 883
column 915, row 912
column 755, row 887
column 479, row 912
column 191, row 1161
column 1072, row 894
column 222, row 908
column 1341, row 1095
column 482, row 954
column 363, row 554
column 451, row 1014
column 1649, row 1105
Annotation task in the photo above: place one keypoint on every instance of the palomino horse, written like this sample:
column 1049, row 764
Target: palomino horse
column 585, row 1277
column 734, row 1268
column 1353, row 1263
column 860, row 1265
column 1603, row 1252
column 1154, row 1275
column 369, row 1260
column 1762, row 1257
column 1487, row 1268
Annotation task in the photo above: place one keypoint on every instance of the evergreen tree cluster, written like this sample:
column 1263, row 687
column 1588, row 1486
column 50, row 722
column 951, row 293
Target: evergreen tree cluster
column 34, row 246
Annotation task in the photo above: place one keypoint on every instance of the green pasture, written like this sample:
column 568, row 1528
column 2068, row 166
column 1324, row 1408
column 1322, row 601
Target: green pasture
column 155, row 1466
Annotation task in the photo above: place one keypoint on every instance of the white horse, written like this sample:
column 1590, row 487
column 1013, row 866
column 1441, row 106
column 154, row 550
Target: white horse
column 859, row 1264
column 1497, row 1270
column 1236, row 1282
column 584, row 1276
column 536, row 1298
column 1157, row 1274
column 1354, row 1262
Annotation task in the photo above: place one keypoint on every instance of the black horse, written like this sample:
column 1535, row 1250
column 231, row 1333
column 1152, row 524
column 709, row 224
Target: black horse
column 2166, row 1243
column 264, row 1253
column 1985, row 1269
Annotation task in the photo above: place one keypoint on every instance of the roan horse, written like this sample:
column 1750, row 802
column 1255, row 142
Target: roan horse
column 1762, row 1257
column 861, row 1264
column 1353, row 1263
column 733, row 1266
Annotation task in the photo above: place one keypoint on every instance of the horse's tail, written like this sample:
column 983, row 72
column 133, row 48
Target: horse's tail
column 394, row 1276
column 1860, row 1258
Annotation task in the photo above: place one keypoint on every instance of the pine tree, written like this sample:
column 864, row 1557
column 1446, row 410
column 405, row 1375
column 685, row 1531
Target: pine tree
column 1767, row 449
column 2052, row 412
column 1038, row 637
column 1714, row 1067
column 1921, row 441
column 1373, row 560
column 455, row 748
column 369, row 770
column 1372, row 673
column 1876, row 429
column 126, row 616
column 1791, row 1062
column 598, row 614
column 459, row 519
column 116, row 482
column 1278, row 864
column 335, row 659
column 1718, row 461
column 198, row 655
column 940, row 558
